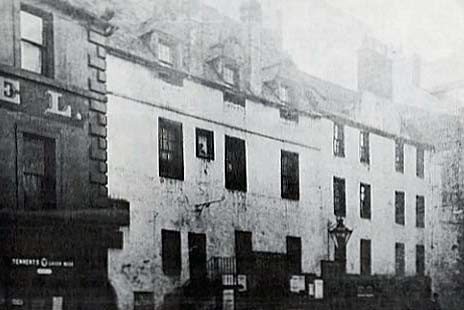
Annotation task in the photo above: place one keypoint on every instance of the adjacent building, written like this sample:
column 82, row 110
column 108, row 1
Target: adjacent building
column 56, row 220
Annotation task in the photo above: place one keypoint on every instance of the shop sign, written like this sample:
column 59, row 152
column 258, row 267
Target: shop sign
column 54, row 105
column 365, row 291
column 41, row 262
column 228, row 279
column 318, row 289
column 9, row 90
column 297, row 283
column 242, row 282
column 228, row 300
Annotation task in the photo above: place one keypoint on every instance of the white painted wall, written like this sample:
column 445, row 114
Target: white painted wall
column 137, row 99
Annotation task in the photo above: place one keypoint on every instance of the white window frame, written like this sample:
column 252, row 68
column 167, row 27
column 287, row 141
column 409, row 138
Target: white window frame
column 165, row 53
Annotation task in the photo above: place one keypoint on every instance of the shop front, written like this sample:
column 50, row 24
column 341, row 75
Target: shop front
column 56, row 266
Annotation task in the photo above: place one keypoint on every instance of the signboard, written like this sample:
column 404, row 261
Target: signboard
column 297, row 284
column 9, row 90
column 43, row 100
column 318, row 289
column 57, row 303
column 365, row 291
column 242, row 282
column 228, row 279
column 228, row 300
column 311, row 289
column 43, row 262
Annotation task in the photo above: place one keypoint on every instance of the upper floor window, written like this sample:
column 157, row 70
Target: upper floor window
column 284, row 94
column 419, row 162
column 36, row 41
column 420, row 211
column 290, row 188
column 399, row 156
column 365, row 200
column 399, row 208
column 235, row 164
column 399, row 259
column 229, row 75
column 339, row 197
column 339, row 140
column 205, row 143
column 165, row 53
column 170, row 149
column 171, row 252
column 364, row 147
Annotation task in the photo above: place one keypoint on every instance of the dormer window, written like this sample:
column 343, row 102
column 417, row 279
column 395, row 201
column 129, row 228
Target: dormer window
column 165, row 53
column 284, row 94
column 229, row 75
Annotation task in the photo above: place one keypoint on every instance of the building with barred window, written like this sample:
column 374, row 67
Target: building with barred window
column 241, row 170
column 237, row 166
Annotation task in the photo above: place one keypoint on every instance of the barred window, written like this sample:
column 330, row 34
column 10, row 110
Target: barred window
column 235, row 164
column 399, row 208
column 171, row 158
column 339, row 197
column 289, row 175
column 365, row 200
column 339, row 140
column 38, row 172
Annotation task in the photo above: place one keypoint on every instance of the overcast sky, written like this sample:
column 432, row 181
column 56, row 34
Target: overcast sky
column 323, row 35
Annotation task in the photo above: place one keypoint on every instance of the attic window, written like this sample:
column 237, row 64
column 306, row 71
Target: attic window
column 229, row 75
column 165, row 53
column 284, row 94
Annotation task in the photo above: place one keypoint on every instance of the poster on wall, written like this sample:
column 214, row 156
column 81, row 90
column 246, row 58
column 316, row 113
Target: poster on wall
column 242, row 282
column 228, row 300
column 318, row 289
column 297, row 284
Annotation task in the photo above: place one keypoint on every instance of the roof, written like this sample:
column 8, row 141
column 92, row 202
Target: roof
column 205, row 33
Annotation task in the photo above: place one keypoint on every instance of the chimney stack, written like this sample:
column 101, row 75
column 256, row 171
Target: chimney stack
column 251, row 18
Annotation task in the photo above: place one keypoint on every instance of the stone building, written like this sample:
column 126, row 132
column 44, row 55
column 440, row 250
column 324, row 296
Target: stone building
column 237, row 164
column 56, row 220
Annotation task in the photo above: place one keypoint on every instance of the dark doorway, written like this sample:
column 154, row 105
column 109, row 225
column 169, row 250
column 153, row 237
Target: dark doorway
column 340, row 255
column 244, row 252
column 197, row 256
